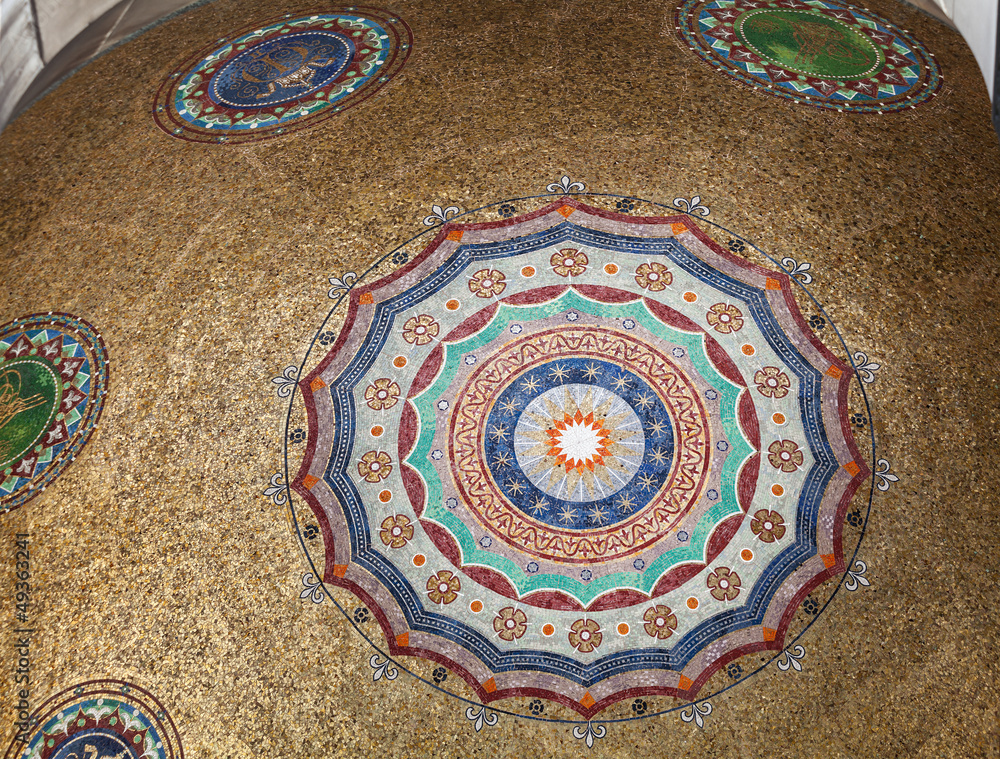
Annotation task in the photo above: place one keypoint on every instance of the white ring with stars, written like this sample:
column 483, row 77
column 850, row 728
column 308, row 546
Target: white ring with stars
column 579, row 443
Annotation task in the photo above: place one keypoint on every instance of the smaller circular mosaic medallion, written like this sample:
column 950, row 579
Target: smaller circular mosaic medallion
column 282, row 76
column 827, row 54
column 53, row 379
column 94, row 720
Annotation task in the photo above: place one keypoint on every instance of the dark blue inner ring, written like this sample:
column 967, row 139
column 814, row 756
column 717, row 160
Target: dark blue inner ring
column 645, row 484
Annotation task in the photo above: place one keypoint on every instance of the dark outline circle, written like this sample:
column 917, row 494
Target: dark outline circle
column 390, row 662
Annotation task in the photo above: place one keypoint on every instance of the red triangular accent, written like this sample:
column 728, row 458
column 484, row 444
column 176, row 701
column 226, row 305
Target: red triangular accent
column 724, row 33
column 743, row 54
column 18, row 348
column 52, row 349
column 885, row 39
column 891, row 76
column 725, row 15
column 69, row 367
column 898, row 60
column 26, row 467
column 56, row 434
column 70, row 398
column 827, row 88
column 846, row 16
column 865, row 88
column 779, row 75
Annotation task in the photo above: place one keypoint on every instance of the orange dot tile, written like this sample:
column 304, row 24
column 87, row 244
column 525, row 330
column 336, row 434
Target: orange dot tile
column 748, row 350
column 692, row 603
column 623, row 628
column 399, row 362
column 610, row 268
column 690, row 297
column 777, row 490
column 385, row 496
column 377, row 430
column 452, row 305
column 778, row 418
column 528, row 271
column 419, row 560
column 746, row 554
column 476, row 606
column 548, row 630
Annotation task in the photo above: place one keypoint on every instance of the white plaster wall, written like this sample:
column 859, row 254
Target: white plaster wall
column 977, row 21
column 20, row 60
column 59, row 21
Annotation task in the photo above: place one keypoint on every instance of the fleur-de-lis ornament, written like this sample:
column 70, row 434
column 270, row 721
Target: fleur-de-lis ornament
column 342, row 284
column 382, row 668
column 565, row 186
column 799, row 271
column 856, row 577
column 312, row 588
column 790, row 659
column 481, row 717
column 439, row 215
column 590, row 733
column 286, row 381
column 696, row 712
column 885, row 477
column 692, row 206
column 278, row 490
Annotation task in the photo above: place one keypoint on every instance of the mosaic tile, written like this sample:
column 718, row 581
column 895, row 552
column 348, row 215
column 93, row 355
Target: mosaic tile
column 827, row 54
column 53, row 381
column 282, row 75
column 100, row 719
column 577, row 455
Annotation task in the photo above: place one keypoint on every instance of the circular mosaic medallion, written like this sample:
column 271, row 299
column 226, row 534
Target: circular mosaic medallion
column 578, row 455
column 827, row 54
column 98, row 719
column 282, row 76
column 53, row 379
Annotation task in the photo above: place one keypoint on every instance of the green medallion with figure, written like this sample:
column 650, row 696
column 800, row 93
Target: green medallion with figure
column 53, row 380
column 809, row 42
column 30, row 394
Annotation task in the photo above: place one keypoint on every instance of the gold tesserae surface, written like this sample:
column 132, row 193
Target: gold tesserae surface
column 156, row 562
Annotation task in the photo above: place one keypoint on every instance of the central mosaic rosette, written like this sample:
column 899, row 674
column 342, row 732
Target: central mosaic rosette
column 574, row 451
column 577, row 443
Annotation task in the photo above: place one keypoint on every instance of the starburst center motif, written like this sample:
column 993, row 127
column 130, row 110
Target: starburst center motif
column 579, row 442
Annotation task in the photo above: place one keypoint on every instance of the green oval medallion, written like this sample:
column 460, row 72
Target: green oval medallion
column 809, row 42
column 30, row 393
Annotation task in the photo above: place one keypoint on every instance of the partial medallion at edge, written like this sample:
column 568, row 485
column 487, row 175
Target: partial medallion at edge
column 53, row 381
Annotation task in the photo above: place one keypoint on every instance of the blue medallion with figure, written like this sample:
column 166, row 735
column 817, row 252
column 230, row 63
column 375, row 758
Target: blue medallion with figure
column 282, row 69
